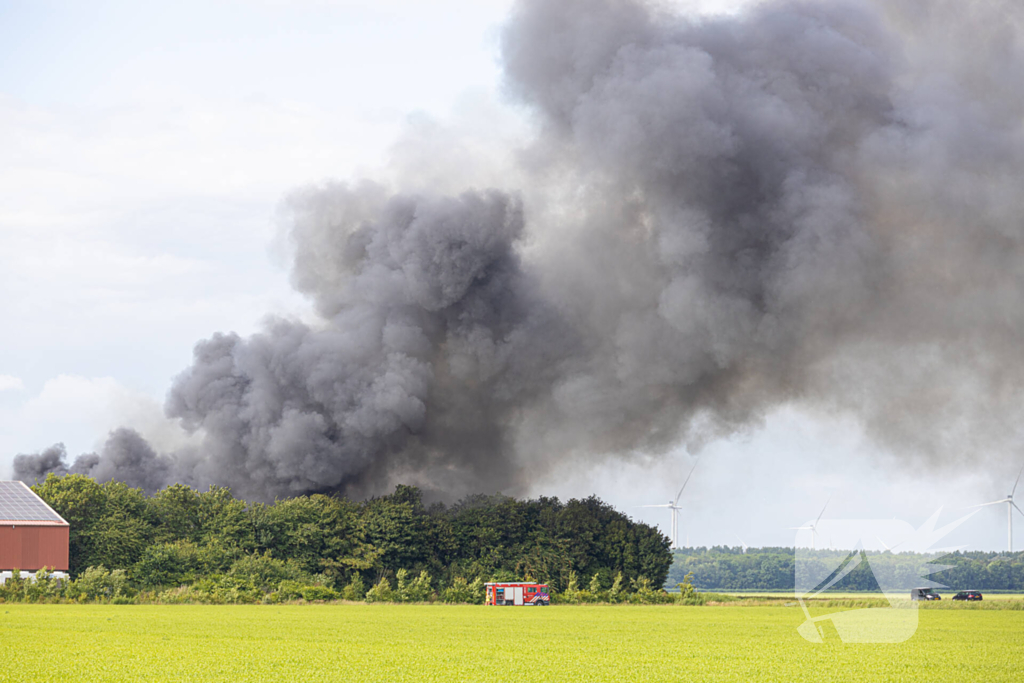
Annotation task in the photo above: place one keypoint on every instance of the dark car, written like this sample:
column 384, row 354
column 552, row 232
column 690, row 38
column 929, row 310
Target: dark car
column 967, row 595
column 924, row 594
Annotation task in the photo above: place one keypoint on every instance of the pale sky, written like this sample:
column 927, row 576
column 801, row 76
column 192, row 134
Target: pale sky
column 145, row 149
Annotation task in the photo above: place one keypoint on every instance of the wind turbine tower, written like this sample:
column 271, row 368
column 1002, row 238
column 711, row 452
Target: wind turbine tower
column 813, row 526
column 1010, row 505
column 673, row 506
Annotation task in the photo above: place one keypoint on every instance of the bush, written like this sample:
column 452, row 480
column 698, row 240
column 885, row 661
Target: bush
column 688, row 595
column 168, row 564
column 14, row 588
column 44, row 588
column 644, row 594
column 417, row 590
column 265, row 572
column 382, row 592
column 615, row 593
column 572, row 595
column 461, row 591
column 312, row 593
column 97, row 583
column 355, row 590
column 289, row 590
column 596, row 591
column 216, row 590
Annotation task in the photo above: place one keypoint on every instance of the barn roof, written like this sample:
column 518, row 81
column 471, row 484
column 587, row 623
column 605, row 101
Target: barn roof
column 20, row 505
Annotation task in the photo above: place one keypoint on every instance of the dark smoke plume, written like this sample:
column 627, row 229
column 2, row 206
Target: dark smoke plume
column 815, row 203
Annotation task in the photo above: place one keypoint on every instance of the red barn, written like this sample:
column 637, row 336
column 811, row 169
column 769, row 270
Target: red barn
column 32, row 535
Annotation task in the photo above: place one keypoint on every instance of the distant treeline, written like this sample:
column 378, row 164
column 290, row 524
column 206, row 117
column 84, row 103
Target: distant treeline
column 732, row 569
column 181, row 537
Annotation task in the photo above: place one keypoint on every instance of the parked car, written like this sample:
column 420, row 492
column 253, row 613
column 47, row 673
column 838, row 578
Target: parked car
column 924, row 594
column 967, row 595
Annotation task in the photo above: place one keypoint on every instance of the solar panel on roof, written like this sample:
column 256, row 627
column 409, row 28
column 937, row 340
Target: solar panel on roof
column 18, row 502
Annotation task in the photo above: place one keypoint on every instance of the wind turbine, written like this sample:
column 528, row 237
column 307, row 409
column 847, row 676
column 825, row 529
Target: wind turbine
column 886, row 545
column 1010, row 505
column 673, row 505
column 813, row 527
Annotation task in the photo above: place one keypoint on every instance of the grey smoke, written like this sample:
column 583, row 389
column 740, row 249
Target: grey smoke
column 125, row 456
column 812, row 203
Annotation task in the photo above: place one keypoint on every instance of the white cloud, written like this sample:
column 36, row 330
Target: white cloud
column 11, row 383
column 79, row 412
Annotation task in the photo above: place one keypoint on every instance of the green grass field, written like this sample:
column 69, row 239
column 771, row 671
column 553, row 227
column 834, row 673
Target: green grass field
column 462, row 643
column 839, row 595
column 862, row 595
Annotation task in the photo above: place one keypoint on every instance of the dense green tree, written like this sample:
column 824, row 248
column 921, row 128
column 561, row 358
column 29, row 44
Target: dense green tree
column 396, row 526
column 180, row 535
column 178, row 513
column 322, row 534
column 224, row 519
column 109, row 524
column 126, row 527
column 723, row 568
column 169, row 564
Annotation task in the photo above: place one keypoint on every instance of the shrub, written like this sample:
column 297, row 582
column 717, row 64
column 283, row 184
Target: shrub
column 688, row 595
column 312, row 593
column 595, row 587
column 13, row 589
column 289, row 590
column 417, row 590
column 168, row 564
column 355, row 590
column 382, row 592
column 264, row 571
column 572, row 595
column 615, row 593
column 644, row 594
column 44, row 588
column 459, row 592
column 216, row 590
column 98, row 583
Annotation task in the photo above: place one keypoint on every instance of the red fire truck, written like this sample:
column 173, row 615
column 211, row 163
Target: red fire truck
column 517, row 593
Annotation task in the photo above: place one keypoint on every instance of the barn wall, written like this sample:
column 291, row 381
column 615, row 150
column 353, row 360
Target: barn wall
column 33, row 547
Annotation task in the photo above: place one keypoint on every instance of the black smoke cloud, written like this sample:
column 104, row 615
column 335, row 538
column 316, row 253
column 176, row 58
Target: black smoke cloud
column 810, row 203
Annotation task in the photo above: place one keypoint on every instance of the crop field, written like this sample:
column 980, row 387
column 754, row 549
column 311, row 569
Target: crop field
column 354, row 642
column 860, row 595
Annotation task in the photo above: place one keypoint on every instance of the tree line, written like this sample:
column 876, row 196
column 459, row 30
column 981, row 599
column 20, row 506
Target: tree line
column 392, row 547
column 735, row 569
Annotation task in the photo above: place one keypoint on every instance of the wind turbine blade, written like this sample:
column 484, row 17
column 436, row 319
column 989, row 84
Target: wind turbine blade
column 687, row 481
column 981, row 505
column 1016, row 482
column 1018, row 509
column 848, row 565
column 884, row 545
column 822, row 511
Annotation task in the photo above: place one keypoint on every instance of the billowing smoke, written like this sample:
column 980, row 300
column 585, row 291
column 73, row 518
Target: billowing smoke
column 812, row 203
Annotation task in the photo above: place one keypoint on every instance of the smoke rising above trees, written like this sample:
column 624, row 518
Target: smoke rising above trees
column 813, row 203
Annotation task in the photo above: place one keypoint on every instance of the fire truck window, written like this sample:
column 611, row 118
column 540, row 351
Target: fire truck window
column 532, row 590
